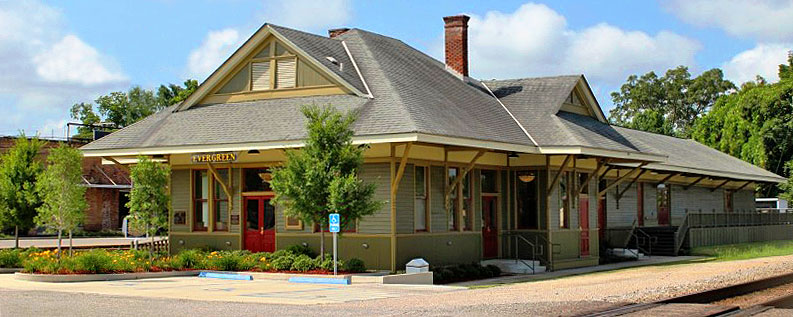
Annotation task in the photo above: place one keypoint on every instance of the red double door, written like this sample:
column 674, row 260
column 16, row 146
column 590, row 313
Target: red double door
column 259, row 224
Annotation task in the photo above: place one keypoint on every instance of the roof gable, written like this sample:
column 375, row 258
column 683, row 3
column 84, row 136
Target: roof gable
column 311, row 49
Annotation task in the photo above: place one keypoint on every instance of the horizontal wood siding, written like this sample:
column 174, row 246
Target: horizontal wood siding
column 743, row 200
column 621, row 214
column 380, row 221
column 438, row 217
column 405, row 203
column 180, row 197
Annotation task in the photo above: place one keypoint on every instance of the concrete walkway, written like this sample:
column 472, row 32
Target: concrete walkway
column 655, row 260
column 49, row 242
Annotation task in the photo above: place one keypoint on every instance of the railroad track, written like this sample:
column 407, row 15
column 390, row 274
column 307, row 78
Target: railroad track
column 702, row 303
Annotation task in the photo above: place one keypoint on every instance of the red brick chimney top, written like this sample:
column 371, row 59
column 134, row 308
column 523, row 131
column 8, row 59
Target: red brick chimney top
column 456, row 37
column 336, row 32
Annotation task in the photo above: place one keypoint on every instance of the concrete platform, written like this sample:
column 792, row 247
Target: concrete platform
column 655, row 260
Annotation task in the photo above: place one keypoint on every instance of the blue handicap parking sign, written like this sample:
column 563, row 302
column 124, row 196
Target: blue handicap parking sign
column 335, row 223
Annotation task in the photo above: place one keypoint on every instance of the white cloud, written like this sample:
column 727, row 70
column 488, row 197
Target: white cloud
column 763, row 60
column 765, row 20
column 535, row 41
column 44, row 69
column 316, row 16
column 217, row 46
column 73, row 61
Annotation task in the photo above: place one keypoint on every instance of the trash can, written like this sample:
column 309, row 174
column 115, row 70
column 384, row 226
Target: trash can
column 417, row 265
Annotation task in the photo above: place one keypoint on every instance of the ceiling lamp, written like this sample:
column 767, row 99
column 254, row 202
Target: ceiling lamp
column 267, row 176
column 526, row 178
column 253, row 152
column 512, row 155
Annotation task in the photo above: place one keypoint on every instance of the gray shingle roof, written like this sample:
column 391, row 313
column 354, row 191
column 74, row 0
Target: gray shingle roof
column 415, row 93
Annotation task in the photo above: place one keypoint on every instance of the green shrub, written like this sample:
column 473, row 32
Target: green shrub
column 299, row 249
column 326, row 264
column 224, row 261
column 355, row 265
column 10, row 258
column 94, row 261
column 495, row 271
column 189, row 259
column 303, row 263
column 283, row 261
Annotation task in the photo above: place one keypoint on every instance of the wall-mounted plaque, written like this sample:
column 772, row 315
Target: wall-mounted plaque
column 235, row 219
column 220, row 157
column 179, row 217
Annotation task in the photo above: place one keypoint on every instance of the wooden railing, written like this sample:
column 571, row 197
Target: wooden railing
column 160, row 246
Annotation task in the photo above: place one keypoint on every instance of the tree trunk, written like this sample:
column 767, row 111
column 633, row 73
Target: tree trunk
column 60, row 233
column 16, row 237
column 321, row 243
column 70, row 243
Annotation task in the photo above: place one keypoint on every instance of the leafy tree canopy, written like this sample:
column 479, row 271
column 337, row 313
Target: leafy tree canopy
column 148, row 200
column 754, row 124
column 322, row 177
column 19, row 169
column 63, row 195
column 669, row 104
column 125, row 108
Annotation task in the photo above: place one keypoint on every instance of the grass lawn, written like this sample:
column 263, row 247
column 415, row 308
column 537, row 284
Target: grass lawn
column 744, row 251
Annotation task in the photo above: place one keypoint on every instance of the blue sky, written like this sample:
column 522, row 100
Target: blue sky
column 56, row 53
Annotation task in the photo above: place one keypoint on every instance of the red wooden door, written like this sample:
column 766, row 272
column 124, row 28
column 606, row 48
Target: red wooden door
column 259, row 224
column 583, row 223
column 489, row 227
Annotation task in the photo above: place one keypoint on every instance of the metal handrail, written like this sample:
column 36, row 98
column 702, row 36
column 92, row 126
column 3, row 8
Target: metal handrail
column 680, row 234
column 533, row 249
column 650, row 241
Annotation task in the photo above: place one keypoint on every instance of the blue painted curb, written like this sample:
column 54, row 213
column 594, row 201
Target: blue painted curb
column 320, row 280
column 227, row 276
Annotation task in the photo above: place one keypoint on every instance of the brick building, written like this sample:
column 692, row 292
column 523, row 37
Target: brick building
column 107, row 186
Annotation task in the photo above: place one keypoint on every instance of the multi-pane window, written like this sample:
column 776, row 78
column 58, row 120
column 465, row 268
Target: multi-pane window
column 453, row 204
column 220, row 202
column 420, row 190
column 467, row 211
column 200, row 200
column 564, row 200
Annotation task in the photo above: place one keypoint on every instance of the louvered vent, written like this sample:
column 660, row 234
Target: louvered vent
column 260, row 73
column 286, row 73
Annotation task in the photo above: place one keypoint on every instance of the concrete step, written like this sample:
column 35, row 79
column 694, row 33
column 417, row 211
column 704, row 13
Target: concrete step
column 511, row 266
column 626, row 253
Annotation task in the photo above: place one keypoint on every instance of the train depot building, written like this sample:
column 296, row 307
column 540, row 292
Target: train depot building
column 470, row 169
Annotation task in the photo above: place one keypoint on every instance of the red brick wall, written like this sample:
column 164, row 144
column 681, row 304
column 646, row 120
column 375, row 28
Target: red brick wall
column 102, row 212
column 456, row 36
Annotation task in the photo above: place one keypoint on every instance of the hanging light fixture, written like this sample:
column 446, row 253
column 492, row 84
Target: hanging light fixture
column 526, row 178
column 253, row 152
column 512, row 155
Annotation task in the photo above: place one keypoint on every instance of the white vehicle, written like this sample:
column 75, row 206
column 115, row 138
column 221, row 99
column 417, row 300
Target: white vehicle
column 771, row 203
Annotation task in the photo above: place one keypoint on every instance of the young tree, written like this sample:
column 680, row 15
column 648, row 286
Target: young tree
column 19, row 200
column 148, row 200
column 321, row 178
column 60, row 186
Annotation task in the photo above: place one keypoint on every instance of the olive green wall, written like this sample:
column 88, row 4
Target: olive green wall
column 181, row 241
column 180, row 198
column 439, row 220
column 380, row 175
column 439, row 249
column 374, row 251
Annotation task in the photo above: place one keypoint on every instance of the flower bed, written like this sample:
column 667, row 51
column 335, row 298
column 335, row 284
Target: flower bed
column 99, row 261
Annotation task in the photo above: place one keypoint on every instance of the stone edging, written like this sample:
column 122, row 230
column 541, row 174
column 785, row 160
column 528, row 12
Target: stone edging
column 9, row 270
column 66, row 278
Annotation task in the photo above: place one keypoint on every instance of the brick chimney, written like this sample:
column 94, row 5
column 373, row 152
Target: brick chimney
column 336, row 32
column 456, row 35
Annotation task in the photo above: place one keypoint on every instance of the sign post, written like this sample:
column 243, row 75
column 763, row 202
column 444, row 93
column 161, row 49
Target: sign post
column 334, row 224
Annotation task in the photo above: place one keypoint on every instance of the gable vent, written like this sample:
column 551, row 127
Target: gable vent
column 260, row 76
column 286, row 73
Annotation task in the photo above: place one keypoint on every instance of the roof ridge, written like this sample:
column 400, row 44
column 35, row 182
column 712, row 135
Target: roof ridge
column 529, row 78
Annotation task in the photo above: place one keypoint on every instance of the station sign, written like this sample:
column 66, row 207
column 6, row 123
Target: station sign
column 219, row 157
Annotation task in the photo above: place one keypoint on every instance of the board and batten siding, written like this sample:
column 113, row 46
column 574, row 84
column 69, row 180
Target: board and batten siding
column 180, row 198
column 380, row 175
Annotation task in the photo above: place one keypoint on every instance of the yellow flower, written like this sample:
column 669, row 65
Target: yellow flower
column 263, row 259
column 214, row 253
